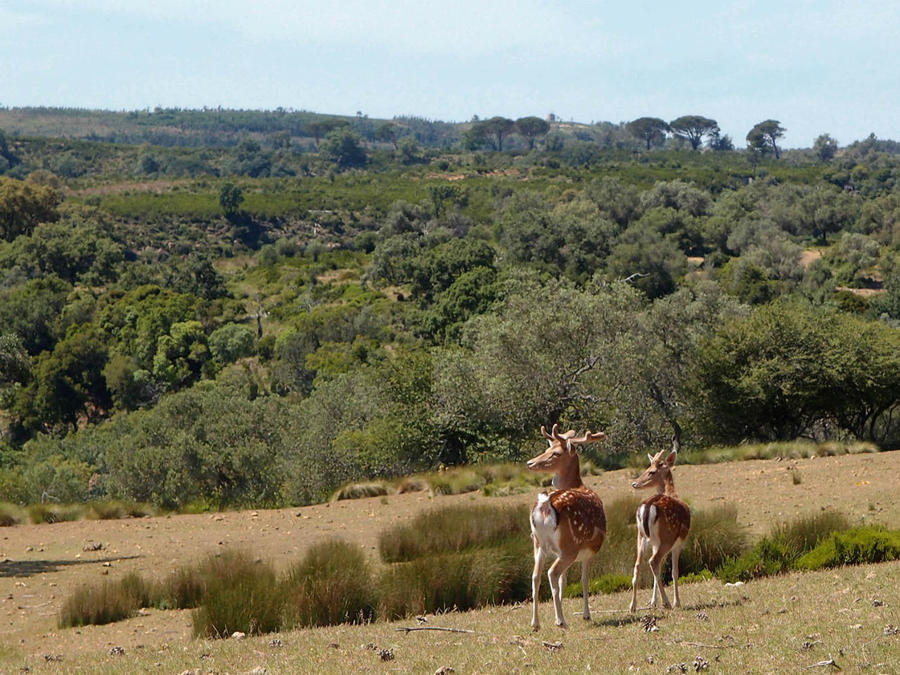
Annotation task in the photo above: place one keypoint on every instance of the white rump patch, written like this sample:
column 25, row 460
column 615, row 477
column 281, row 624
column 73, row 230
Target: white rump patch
column 544, row 524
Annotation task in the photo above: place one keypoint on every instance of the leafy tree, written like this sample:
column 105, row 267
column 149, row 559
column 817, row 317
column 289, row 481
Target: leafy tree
column 68, row 383
column 387, row 133
column 763, row 137
column 230, row 199
column 531, row 128
column 319, row 128
column 719, row 142
column 15, row 367
column 231, row 342
column 651, row 130
column 824, row 147
column 788, row 369
column 409, row 151
column 694, row 128
column 651, row 261
column 181, row 355
column 475, row 137
column 23, row 205
column 342, row 146
column 437, row 269
column 32, row 311
column 498, row 128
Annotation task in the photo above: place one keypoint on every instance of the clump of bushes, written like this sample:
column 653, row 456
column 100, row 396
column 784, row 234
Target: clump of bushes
column 240, row 595
column 10, row 515
column 332, row 584
column 460, row 581
column 453, row 529
column 53, row 513
column 779, row 551
column 858, row 546
column 111, row 601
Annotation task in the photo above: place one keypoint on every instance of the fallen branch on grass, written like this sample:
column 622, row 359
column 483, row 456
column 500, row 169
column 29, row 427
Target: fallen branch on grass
column 823, row 664
column 409, row 629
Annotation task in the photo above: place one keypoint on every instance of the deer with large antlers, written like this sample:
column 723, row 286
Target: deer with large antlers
column 663, row 522
column 569, row 522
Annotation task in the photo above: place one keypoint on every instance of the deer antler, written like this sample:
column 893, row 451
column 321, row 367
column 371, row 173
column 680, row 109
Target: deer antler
column 545, row 434
column 588, row 438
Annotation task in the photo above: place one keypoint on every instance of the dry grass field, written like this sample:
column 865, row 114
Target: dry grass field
column 772, row 625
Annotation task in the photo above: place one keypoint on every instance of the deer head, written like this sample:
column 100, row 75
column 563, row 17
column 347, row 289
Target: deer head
column 658, row 472
column 561, row 456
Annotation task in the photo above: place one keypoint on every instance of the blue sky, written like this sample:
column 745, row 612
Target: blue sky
column 816, row 66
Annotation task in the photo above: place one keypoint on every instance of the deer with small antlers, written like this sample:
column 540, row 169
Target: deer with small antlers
column 569, row 522
column 663, row 522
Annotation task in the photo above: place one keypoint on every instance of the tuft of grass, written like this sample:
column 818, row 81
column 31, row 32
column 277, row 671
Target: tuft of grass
column 360, row 490
column 332, row 584
column 453, row 529
column 457, row 581
column 240, row 595
column 53, row 513
column 715, row 536
column 800, row 449
column 96, row 605
column 805, row 532
column 10, row 515
column 116, row 509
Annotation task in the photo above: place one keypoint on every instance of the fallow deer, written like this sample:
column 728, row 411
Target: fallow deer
column 569, row 522
column 663, row 522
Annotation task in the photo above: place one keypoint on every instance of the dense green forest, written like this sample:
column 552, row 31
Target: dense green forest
column 228, row 308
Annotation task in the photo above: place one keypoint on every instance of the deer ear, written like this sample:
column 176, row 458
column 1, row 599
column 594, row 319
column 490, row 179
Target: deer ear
column 670, row 460
column 650, row 457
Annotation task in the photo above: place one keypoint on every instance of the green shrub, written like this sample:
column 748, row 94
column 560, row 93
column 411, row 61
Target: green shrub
column 53, row 513
column 694, row 577
column 769, row 556
column 715, row 536
column 804, row 533
column 360, row 490
column 460, row 581
column 10, row 515
column 606, row 583
column 859, row 546
column 618, row 551
column 182, row 589
column 779, row 551
column 241, row 595
column 332, row 584
column 453, row 529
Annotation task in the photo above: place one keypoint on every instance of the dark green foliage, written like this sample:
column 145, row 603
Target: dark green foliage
column 605, row 583
column 782, row 550
column 453, row 529
column 858, row 546
column 332, row 584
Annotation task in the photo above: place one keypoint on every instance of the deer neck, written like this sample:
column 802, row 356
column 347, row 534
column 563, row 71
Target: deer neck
column 568, row 477
column 667, row 487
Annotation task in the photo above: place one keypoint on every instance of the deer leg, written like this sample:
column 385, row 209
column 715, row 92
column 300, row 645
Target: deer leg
column 585, row 569
column 557, row 577
column 637, row 568
column 676, row 552
column 536, row 584
column 655, row 567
